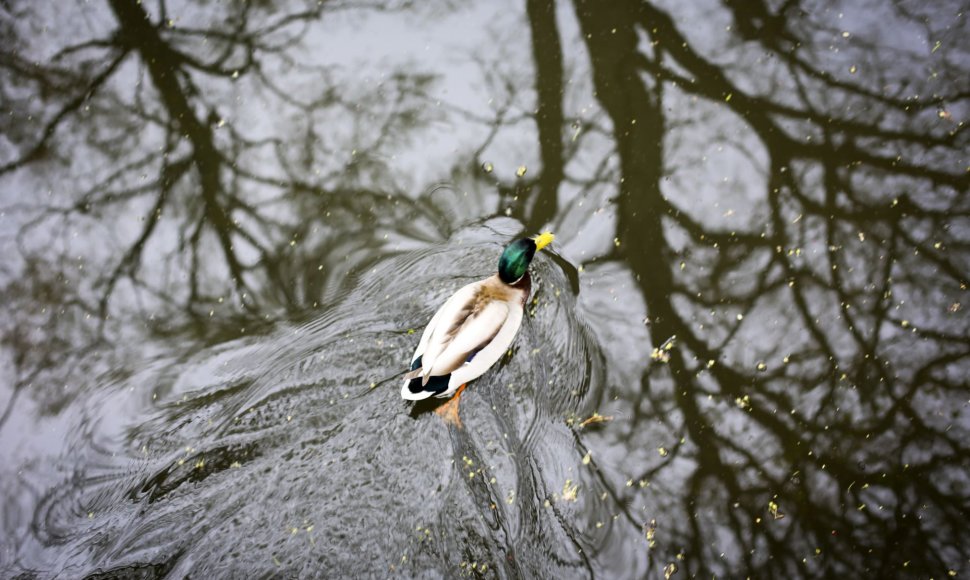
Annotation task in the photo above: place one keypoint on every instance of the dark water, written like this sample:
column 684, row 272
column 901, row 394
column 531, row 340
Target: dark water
column 224, row 226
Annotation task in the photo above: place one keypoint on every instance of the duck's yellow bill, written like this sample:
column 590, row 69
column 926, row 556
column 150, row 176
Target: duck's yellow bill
column 543, row 240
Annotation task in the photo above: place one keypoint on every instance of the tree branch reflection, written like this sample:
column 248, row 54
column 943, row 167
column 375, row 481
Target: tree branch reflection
column 839, row 411
column 788, row 200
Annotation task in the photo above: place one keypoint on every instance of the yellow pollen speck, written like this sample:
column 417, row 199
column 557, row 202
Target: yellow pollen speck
column 669, row 570
column 773, row 510
column 570, row 490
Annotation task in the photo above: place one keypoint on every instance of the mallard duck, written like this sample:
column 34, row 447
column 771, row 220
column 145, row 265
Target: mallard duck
column 474, row 328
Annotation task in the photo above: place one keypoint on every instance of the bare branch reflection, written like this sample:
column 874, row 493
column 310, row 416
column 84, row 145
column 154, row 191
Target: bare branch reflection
column 806, row 397
column 766, row 202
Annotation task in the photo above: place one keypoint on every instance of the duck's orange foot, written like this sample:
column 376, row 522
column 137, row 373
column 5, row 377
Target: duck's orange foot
column 449, row 411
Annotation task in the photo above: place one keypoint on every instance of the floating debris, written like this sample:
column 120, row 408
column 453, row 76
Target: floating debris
column 773, row 510
column 651, row 530
column 520, row 172
column 662, row 353
column 587, row 458
column 596, row 418
column 743, row 402
column 488, row 167
column 669, row 570
column 570, row 490
column 663, row 451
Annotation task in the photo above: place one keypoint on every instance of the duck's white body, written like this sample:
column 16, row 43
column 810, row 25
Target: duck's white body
column 465, row 337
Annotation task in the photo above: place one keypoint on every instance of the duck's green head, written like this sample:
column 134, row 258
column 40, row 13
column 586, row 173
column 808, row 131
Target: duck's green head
column 517, row 256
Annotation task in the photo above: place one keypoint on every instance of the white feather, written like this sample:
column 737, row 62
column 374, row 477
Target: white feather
column 407, row 395
column 489, row 355
column 450, row 308
column 486, row 324
column 448, row 311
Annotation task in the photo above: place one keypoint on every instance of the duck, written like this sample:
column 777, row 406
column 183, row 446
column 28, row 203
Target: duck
column 471, row 331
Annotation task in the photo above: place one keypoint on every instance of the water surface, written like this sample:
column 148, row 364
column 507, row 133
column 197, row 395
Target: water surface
column 224, row 227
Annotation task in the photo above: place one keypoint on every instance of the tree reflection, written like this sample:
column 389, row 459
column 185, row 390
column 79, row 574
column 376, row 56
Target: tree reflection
column 789, row 197
column 222, row 184
column 848, row 418
column 163, row 203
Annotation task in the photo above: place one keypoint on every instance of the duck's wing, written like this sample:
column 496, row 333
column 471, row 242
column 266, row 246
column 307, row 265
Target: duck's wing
column 466, row 337
column 490, row 353
column 464, row 294
column 456, row 304
column 433, row 341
